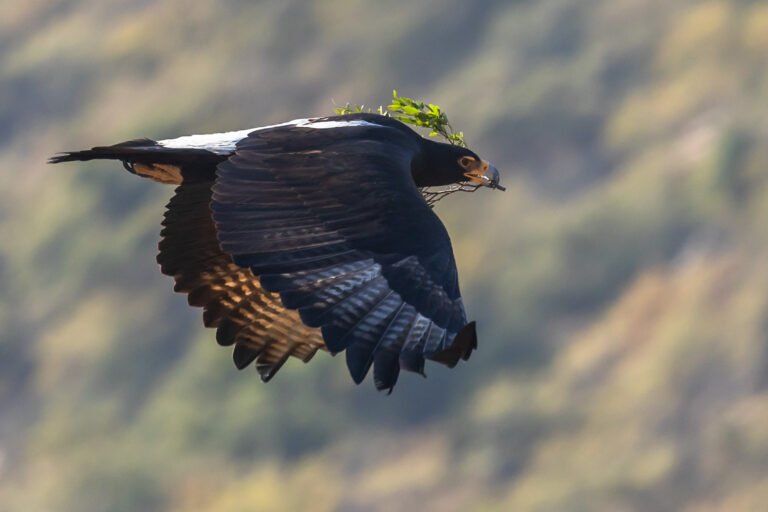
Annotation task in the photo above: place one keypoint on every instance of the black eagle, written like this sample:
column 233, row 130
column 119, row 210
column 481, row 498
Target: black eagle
column 313, row 234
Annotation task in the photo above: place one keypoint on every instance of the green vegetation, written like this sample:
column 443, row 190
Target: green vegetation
column 620, row 284
column 416, row 113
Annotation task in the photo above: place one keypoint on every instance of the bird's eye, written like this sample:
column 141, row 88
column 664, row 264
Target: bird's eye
column 466, row 161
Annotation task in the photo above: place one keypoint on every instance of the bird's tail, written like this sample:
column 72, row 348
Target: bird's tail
column 147, row 158
column 131, row 150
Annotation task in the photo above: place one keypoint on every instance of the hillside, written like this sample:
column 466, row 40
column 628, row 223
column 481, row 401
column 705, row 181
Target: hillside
column 619, row 285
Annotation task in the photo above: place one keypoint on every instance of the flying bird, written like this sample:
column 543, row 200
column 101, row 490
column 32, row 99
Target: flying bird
column 314, row 234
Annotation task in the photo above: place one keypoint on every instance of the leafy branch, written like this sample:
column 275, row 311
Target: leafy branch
column 352, row 108
column 416, row 113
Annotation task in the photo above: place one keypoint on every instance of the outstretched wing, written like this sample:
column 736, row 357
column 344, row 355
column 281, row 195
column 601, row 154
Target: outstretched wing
column 244, row 314
column 330, row 219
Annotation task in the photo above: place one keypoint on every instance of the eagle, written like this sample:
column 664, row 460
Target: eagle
column 314, row 234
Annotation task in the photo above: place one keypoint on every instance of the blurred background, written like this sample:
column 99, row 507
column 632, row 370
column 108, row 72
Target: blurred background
column 620, row 285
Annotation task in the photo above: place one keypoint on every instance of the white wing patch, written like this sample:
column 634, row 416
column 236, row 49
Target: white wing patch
column 322, row 125
column 219, row 143
column 225, row 143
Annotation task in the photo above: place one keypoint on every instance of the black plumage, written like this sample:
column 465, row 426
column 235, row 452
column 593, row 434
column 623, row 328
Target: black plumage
column 314, row 234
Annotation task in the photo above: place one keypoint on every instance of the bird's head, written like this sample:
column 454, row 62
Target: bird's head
column 446, row 164
column 476, row 170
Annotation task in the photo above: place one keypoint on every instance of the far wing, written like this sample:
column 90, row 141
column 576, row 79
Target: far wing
column 331, row 220
column 245, row 314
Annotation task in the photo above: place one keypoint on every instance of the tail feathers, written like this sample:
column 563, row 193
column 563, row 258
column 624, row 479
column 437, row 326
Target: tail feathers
column 147, row 158
column 138, row 149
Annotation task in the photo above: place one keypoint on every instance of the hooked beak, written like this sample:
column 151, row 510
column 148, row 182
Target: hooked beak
column 485, row 174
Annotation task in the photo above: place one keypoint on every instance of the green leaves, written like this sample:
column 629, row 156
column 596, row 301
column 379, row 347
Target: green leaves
column 350, row 108
column 424, row 115
column 416, row 113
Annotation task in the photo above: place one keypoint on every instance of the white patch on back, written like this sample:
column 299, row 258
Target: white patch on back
column 219, row 143
column 322, row 125
column 225, row 143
